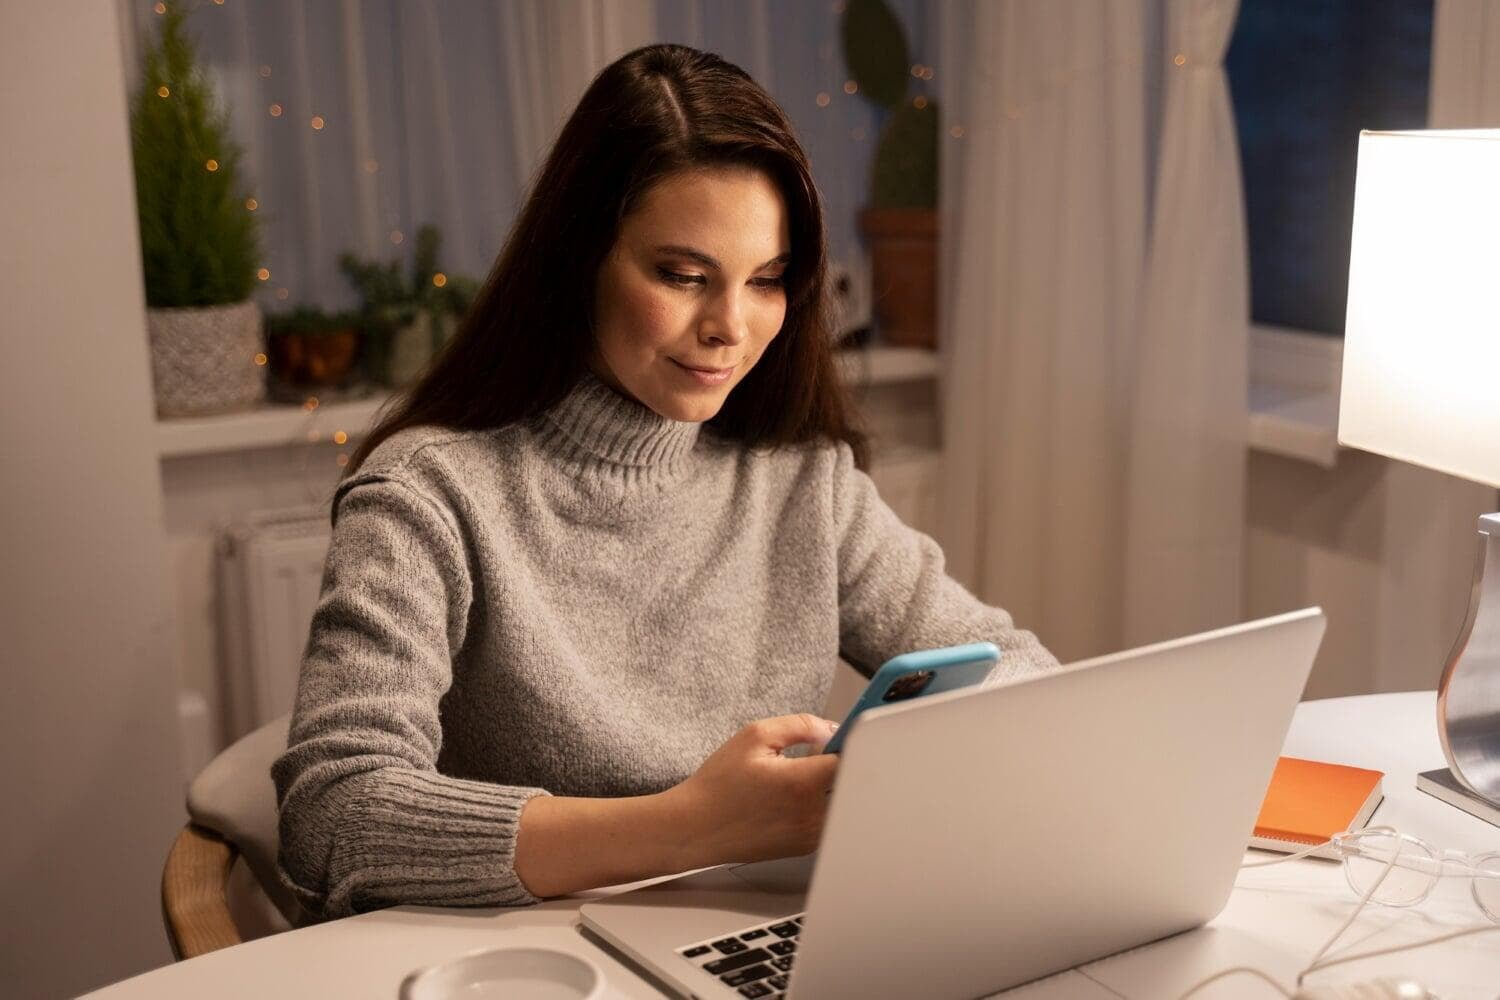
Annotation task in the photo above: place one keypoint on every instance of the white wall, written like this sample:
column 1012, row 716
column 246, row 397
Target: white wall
column 87, row 724
column 1386, row 548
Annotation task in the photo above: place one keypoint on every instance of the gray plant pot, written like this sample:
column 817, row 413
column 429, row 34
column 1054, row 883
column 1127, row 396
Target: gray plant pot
column 204, row 360
column 413, row 347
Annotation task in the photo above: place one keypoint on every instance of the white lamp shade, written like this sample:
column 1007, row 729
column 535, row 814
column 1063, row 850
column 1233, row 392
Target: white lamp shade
column 1424, row 302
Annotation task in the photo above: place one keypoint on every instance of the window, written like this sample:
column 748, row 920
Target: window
column 1306, row 77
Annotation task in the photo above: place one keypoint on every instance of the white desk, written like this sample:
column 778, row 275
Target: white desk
column 1276, row 918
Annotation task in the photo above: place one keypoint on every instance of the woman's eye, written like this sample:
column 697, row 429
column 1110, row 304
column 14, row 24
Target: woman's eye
column 685, row 280
column 672, row 277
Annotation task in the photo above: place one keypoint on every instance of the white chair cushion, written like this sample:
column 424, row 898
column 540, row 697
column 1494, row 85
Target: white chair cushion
column 234, row 797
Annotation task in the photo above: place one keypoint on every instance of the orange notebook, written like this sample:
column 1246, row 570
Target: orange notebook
column 1309, row 801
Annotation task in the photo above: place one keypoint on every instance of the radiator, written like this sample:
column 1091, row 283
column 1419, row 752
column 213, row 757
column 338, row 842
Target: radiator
column 271, row 570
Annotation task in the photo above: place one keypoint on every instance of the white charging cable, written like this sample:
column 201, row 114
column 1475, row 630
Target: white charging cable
column 1318, row 963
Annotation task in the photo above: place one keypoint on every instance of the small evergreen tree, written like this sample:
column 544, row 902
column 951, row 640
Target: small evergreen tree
column 199, row 243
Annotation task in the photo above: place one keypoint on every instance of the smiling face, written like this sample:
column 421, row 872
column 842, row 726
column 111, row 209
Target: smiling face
column 691, row 294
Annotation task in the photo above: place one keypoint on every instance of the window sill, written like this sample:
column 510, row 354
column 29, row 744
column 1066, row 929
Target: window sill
column 283, row 425
column 1294, row 394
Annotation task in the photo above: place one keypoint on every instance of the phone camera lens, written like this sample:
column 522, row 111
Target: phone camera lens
column 909, row 686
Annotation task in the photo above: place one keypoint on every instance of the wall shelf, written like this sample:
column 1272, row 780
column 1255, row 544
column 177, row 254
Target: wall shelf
column 279, row 425
column 1294, row 394
column 1295, row 422
column 271, row 426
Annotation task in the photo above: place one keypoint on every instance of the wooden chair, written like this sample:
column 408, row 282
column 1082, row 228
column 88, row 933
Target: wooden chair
column 232, row 811
column 232, row 815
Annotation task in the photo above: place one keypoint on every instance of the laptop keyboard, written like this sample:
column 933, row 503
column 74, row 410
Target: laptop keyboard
column 754, row 962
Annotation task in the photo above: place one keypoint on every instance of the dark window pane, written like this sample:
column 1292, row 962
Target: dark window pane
column 1306, row 76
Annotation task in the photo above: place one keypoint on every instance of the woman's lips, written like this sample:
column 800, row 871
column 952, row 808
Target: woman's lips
column 704, row 375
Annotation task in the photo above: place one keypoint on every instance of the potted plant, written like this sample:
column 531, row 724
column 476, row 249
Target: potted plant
column 900, row 222
column 409, row 317
column 311, row 350
column 199, row 242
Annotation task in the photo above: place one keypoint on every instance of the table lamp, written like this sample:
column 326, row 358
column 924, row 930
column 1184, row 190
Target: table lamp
column 1423, row 315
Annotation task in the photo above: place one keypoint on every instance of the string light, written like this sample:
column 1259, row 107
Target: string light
column 927, row 72
column 440, row 279
column 260, row 359
column 211, row 165
column 339, row 437
column 916, row 70
column 1179, row 59
column 371, row 165
column 956, row 131
column 850, row 87
column 276, row 110
column 160, row 8
column 162, row 91
column 823, row 99
column 919, row 102
column 396, row 236
column 264, row 274
column 310, row 404
column 343, row 460
column 313, row 437
column 317, row 122
column 265, row 72
column 282, row 294
column 251, row 204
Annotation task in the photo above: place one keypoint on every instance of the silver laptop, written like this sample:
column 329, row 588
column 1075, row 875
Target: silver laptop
column 983, row 838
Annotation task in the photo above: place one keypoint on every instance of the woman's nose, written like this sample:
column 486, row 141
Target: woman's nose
column 724, row 323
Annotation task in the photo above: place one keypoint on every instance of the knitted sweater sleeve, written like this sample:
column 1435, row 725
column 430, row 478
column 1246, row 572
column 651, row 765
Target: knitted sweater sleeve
column 894, row 596
column 366, row 820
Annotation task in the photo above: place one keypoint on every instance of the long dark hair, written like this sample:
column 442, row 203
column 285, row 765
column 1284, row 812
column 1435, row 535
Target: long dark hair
column 526, row 341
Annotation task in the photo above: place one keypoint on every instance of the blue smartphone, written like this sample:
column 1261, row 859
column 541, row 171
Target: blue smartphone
column 912, row 675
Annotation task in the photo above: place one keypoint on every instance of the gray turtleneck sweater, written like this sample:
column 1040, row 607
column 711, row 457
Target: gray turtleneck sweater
column 587, row 603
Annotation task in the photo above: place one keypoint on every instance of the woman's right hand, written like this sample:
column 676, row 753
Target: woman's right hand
column 748, row 802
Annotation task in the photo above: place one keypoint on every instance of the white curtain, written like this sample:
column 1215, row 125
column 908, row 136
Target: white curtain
column 1043, row 227
column 555, row 50
column 441, row 111
column 1428, row 519
column 1186, row 501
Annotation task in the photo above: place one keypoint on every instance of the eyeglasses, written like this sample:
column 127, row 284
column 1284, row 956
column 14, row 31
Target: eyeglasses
column 1391, row 868
column 1397, row 869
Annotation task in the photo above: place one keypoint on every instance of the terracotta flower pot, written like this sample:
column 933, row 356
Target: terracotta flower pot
column 903, row 279
column 314, row 359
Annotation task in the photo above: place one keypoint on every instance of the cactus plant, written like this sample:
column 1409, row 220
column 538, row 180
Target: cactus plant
column 905, row 167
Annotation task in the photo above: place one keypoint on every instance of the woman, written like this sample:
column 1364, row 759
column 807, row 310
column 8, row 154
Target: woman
column 593, row 575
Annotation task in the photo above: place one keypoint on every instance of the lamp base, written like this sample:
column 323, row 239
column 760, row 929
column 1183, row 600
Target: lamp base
column 1468, row 699
column 1441, row 784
